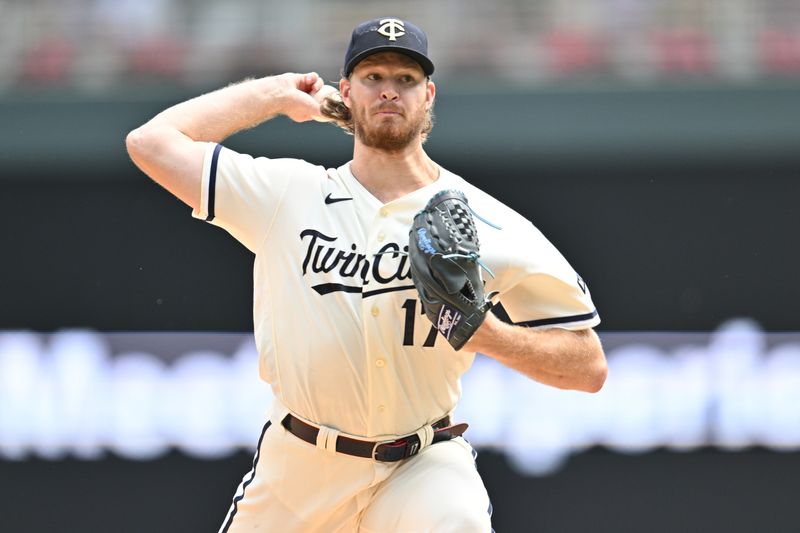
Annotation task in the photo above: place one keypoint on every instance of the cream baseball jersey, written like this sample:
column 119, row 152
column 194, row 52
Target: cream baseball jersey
column 341, row 335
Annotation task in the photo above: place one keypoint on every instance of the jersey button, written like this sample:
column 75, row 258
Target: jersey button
column 381, row 408
column 384, row 212
column 375, row 311
column 380, row 363
column 381, row 236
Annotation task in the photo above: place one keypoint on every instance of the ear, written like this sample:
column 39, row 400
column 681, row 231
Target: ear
column 430, row 95
column 344, row 90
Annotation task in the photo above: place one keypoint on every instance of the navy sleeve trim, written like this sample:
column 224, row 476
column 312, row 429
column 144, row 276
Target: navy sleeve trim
column 212, row 182
column 558, row 320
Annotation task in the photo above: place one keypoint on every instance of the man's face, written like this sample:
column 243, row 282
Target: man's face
column 388, row 95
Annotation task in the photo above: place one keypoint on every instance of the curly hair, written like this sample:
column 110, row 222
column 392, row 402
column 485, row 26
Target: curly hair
column 333, row 108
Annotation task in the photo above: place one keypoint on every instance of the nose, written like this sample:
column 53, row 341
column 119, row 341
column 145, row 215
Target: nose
column 389, row 93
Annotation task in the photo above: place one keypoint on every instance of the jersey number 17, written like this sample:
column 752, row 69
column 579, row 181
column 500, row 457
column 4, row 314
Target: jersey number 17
column 410, row 306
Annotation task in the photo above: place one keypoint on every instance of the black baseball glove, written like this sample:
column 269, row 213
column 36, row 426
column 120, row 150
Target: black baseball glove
column 445, row 266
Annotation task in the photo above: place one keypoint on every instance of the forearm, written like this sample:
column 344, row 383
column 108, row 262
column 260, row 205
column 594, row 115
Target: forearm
column 217, row 115
column 557, row 357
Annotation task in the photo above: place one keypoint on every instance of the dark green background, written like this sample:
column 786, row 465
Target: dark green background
column 677, row 205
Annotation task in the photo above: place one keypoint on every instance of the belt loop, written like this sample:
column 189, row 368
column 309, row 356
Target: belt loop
column 326, row 439
column 425, row 435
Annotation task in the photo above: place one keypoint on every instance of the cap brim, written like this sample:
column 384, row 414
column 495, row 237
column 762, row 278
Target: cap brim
column 424, row 62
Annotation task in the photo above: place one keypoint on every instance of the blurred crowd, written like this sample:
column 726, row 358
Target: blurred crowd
column 107, row 44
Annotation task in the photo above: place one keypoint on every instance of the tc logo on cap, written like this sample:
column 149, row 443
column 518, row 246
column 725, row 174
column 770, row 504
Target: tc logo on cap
column 392, row 28
column 386, row 34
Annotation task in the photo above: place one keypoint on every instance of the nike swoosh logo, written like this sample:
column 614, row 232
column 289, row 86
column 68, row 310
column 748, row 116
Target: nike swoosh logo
column 329, row 200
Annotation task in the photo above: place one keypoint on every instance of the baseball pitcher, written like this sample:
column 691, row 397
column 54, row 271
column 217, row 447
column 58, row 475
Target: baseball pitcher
column 374, row 285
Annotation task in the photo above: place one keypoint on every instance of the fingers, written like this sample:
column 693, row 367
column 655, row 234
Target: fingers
column 304, row 104
column 319, row 96
column 310, row 83
column 323, row 92
column 319, row 84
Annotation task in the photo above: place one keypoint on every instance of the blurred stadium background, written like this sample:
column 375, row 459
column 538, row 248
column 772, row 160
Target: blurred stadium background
column 655, row 142
column 104, row 43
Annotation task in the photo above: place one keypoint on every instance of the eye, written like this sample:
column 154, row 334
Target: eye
column 373, row 76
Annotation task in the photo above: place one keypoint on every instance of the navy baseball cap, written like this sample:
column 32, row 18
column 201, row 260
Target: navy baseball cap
column 387, row 34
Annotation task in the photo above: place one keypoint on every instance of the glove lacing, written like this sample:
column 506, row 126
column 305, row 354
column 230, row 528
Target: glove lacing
column 472, row 256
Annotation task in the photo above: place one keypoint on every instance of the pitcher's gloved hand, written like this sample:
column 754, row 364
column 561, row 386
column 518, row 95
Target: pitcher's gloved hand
column 444, row 256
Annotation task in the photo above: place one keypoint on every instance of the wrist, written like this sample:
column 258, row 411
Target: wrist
column 270, row 94
column 485, row 337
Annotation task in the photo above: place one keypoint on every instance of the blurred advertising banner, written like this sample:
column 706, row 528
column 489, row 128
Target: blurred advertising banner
column 83, row 394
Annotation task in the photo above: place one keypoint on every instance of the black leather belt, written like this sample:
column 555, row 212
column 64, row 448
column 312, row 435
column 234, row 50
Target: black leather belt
column 388, row 451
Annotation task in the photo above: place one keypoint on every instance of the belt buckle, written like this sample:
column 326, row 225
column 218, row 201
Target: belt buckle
column 380, row 443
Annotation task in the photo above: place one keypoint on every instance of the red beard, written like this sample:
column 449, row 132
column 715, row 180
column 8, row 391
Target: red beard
column 391, row 134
